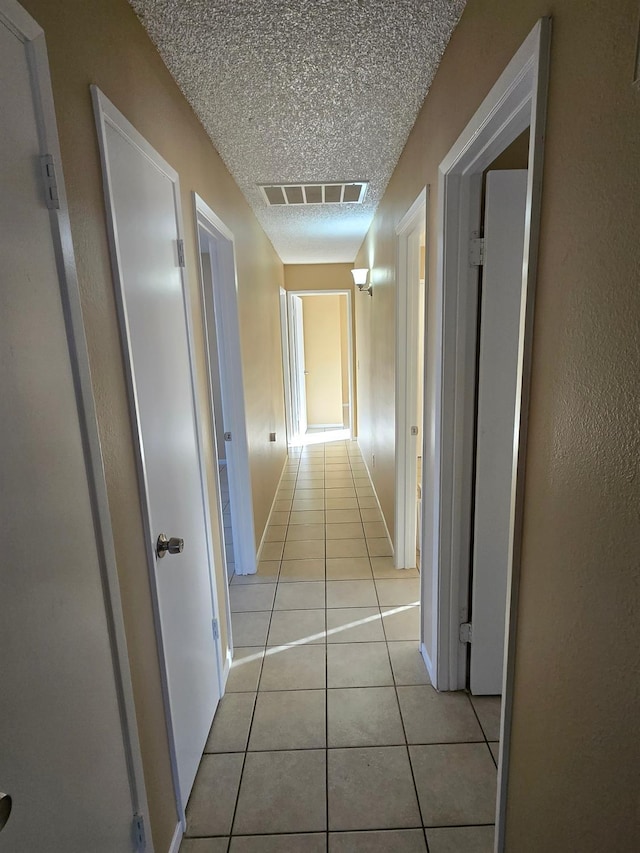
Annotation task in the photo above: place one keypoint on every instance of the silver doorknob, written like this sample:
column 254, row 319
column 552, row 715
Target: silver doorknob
column 171, row 546
column 5, row 809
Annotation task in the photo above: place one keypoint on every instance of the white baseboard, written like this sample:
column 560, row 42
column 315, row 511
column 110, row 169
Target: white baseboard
column 428, row 662
column 177, row 839
column 226, row 669
column 375, row 494
column 327, row 426
column 266, row 527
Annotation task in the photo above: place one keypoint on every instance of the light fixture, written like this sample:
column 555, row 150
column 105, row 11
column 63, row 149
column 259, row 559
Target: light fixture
column 360, row 279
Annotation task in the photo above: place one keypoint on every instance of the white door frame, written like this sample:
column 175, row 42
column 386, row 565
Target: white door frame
column 517, row 100
column 288, row 364
column 20, row 22
column 286, row 373
column 107, row 113
column 298, row 372
column 220, row 310
column 412, row 224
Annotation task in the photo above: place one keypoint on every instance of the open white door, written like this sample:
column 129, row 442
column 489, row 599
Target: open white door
column 504, row 226
column 299, row 382
column 222, row 333
column 69, row 755
column 410, row 330
column 143, row 201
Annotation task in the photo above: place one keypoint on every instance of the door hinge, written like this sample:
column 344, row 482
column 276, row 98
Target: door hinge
column 50, row 182
column 414, row 430
column 465, row 632
column 227, row 436
column 216, row 629
column 476, row 250
column 138, row 832
column 180, row 244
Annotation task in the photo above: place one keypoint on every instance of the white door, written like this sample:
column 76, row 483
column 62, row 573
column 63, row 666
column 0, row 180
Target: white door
column 298, row 366
column 222, row 337
column 63, row 758
column 144, row 206
column 504, row 223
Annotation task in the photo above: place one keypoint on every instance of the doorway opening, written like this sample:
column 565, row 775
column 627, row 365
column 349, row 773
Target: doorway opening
column 458, row 401
column 410, row 326
column 318, row 365
column 224, row 361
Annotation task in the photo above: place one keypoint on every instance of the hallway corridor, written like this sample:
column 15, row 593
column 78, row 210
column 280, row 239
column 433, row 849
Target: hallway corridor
column 330, row 736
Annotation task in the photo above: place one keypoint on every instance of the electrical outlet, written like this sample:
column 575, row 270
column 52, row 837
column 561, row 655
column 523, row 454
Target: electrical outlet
column 272, row 436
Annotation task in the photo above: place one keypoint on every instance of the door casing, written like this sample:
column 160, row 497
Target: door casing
column 288, row 355
column 517, row 100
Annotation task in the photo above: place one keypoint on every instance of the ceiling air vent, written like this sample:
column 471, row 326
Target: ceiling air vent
column 352, row 192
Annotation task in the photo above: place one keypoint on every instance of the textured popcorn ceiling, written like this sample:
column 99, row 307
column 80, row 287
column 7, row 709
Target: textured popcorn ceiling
column 305, row 91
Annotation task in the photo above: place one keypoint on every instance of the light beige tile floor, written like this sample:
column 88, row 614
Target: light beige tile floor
column 330, row 736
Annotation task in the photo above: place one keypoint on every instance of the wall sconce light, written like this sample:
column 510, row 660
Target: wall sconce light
column 360, row 280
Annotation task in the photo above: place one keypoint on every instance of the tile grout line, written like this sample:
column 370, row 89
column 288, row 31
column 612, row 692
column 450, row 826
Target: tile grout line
column 404, row 730
column 484, row 734
column 386, row 829
column 326, row 667
column 255, row 704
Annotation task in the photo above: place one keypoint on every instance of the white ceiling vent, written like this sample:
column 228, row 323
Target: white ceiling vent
column 352, row 192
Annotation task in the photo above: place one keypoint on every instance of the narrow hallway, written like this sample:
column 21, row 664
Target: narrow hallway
column 330, row 735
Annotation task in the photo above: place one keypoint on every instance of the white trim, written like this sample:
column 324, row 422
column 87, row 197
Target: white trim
column 412, row 224
column 220, row 312
column 275, row 498
column 227, row 669
column 375, row 494
column 516, row 101
column 286, row 373
column 107, row 114
column 176, row 841
column 427, row 661
column 20, row 22
column 291, row 432
column 326, row 426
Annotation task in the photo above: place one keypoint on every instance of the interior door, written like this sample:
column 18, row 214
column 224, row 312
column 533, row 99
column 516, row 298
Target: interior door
column 144, row 206
column 63, row 749
column 298, row 366
column 506, row 193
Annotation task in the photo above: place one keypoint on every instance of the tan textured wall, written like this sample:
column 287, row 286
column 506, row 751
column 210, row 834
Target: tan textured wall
column 102, row 42
column 329, row 277
column 575, row 746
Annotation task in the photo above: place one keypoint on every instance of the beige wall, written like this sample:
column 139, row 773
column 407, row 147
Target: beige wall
column 318, row 277
column 322, row 359
column 575, row 745
column 102, row 42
